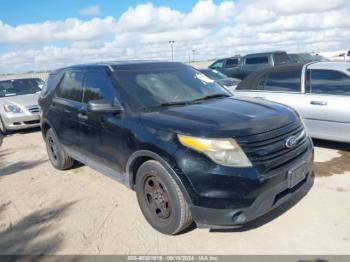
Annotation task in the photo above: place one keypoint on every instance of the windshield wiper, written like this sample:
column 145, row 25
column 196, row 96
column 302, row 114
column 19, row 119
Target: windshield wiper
column 211, row 96
column 176, row 103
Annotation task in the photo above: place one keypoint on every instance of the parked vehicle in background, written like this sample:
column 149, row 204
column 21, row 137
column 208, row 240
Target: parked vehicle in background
column 227, row 82
column 228, row 66
column 19, row 104
column 319, row 91
column 188, row 148
column 320, row 58
column 254, row 62
column 347, row 55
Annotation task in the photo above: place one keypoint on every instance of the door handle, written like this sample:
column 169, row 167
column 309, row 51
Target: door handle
column 67, row 111
column 83, row 116
column 259, row 97
column 318, row 103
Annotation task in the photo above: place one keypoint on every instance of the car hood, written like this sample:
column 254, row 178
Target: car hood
column 21, row 100
column 227, row 117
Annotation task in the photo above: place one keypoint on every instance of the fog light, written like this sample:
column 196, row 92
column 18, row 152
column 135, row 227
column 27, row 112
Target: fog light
column 239, row 218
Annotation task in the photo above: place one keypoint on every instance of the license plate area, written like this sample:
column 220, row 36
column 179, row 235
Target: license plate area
column 296, row 175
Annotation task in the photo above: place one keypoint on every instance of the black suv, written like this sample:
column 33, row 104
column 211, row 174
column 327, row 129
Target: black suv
column 188, row 149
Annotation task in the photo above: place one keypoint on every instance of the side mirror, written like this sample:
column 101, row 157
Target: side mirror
column 104, row 106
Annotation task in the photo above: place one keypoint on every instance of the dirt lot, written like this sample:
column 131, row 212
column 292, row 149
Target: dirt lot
column 79, row 211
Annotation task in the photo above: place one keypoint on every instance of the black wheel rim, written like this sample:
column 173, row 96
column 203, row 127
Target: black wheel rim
column 53, row 149
column 157, row 198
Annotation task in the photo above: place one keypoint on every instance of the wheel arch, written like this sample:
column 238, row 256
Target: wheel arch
column 140, row 157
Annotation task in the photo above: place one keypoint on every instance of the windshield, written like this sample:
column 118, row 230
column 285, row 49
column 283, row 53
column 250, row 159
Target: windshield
column 307, row 57
column 213, row 74
column 148, row 88
column 19, row 87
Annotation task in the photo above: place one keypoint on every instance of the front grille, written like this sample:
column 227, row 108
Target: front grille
column 33, row 122
column 268, row 151
column 33, row 109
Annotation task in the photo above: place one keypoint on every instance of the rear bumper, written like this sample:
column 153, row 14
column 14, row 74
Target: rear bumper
column 21, row 121
column 269, row 195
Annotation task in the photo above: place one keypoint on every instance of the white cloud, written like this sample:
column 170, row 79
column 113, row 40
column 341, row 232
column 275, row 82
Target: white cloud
column 49, row 31
column 90, row 11
column 213, row 30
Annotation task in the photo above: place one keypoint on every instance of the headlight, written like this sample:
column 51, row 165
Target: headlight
column 225, row 152
column 9, row 108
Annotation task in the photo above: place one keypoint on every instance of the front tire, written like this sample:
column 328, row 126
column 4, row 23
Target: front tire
column 3, row 127
column 58, row 157
column 161, row 200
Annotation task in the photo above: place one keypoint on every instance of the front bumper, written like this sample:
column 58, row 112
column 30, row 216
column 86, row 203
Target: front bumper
column 232, row 200
column 21, row 121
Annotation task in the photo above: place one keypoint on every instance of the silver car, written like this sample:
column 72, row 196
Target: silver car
column 19, row 104
column 319, row 91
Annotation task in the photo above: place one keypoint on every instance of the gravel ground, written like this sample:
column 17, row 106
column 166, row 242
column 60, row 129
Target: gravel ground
column 45, row 211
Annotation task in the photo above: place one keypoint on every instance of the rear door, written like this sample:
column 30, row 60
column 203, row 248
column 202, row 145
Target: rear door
column 66, row 104
column 328, row 104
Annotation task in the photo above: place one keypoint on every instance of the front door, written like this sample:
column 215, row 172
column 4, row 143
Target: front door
column 327, row 104
column 102, row 132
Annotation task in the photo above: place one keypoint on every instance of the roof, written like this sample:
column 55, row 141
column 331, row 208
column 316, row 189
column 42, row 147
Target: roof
column 342, row 66
column 124, row 65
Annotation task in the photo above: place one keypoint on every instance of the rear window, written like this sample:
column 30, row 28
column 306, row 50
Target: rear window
column 257, row 60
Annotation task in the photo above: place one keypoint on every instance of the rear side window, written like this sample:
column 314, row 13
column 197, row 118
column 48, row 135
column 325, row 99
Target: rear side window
column 98, row 86
column 330, row 82
column 231, row 62
column 348, row 53
column 257, row 60
column 71, row 86
column 285, row 81
column 281, row 58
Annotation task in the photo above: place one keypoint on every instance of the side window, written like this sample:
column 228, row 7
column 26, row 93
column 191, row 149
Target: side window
column 330, row 82
column 98, row 86
column 218, row 64
column 231, row 63
column 287, row 81
column 281, row 58
column 71, row 86
column 257, row 60
column 349, row 53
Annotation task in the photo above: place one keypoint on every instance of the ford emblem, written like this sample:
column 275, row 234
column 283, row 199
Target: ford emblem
column 291, row 142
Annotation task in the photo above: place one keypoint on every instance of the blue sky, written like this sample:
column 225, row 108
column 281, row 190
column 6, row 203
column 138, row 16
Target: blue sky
column 46, row 34
column 36, row 11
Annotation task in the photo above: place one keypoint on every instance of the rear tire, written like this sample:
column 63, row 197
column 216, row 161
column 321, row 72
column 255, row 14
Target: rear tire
column 161, row 200
column 58, row 157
